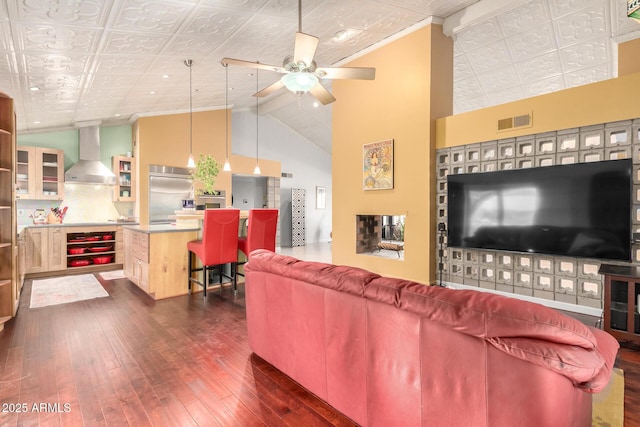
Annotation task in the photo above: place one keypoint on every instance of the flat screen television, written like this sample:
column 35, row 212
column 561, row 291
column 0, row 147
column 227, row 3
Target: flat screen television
column 578, row 210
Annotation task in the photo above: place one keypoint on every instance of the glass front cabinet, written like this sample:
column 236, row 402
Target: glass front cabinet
column 622, row 302
column 39, row 173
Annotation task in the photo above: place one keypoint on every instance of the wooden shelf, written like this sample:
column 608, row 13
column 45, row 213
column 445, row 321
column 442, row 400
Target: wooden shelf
column 9, row 288
column 124, row 168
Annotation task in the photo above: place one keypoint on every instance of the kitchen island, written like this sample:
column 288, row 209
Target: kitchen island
column 156, row 258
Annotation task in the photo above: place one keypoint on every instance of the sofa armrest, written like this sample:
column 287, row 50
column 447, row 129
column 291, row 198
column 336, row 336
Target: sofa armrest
column 608, row 348
column 588, row 369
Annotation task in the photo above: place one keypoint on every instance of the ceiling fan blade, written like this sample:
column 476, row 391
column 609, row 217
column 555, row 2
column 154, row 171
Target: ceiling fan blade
column 249, row 64
column 305, row 48
column 322, row 94
column 359, row 73
column 269, row 89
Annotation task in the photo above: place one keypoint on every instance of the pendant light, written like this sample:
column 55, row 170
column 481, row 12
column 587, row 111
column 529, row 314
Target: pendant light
column 257, row 171
column 190, row 163
column 227, row 165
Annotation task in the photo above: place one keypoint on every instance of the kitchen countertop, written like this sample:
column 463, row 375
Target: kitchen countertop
column 160, row 228
column 76, row 224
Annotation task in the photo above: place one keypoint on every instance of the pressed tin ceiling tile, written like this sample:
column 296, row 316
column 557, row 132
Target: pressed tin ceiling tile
column 84, row 52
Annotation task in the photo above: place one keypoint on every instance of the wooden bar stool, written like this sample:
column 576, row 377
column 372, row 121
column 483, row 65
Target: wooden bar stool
column 218, row 246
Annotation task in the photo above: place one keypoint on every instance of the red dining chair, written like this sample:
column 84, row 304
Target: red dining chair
column 218, row 246
column 261, row 232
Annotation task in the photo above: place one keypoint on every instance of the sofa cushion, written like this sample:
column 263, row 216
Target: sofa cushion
column 481, row 314
column 341, row 278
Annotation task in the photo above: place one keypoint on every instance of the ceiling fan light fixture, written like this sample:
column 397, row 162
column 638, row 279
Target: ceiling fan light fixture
column 299, row 83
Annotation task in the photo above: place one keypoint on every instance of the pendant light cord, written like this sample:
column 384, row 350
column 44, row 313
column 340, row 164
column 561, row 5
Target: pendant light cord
column 189, row 63
column 190, row 112
column 226, row 112
column 257, row 117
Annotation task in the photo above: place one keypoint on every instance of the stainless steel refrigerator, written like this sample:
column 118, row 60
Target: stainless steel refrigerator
column 168, row 186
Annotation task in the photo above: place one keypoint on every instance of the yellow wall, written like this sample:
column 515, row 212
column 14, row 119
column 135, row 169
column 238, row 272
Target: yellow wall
column 606, row 101
column 400, row 105
column 164, row 140
column 629, row 57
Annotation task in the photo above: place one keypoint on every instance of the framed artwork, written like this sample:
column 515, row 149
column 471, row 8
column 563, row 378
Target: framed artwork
column 377, row 165
column 321, row 197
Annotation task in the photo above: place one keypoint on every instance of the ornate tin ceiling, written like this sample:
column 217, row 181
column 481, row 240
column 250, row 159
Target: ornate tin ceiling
column 110, row 59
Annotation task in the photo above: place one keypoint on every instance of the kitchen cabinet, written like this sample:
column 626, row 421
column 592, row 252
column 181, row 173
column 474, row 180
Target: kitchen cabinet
column 9, row 291
column 127, row 264
column 57, row 249
column 45, row 248
column 39, row 173
column 21, row 261
column 156, row 261
column 125, row 170
column 136, row 258
column 51, row 250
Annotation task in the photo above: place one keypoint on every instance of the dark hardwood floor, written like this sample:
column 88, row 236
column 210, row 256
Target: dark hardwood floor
column 127, row 360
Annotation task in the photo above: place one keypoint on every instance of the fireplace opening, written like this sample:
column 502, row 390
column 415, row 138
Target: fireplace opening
column 380, row 235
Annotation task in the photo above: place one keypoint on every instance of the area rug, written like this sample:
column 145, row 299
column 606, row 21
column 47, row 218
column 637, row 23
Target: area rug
column 61, row 290
column 608, row 405
column 112, row 275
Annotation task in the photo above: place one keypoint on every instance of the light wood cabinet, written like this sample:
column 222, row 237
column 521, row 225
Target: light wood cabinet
column 125, row 170
column 136, row 254
column 157, row 262
column 127, row 262
column 21, row 262
column 9, row 291
column 39, row 173
column 46, row 249
column 57, row 249
column 67, row 248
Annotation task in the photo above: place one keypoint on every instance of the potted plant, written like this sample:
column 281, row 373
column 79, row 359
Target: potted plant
column 205, row 172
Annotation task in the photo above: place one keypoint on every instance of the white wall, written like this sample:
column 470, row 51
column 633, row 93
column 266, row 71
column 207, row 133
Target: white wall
column 310, row 166
column 249, row 192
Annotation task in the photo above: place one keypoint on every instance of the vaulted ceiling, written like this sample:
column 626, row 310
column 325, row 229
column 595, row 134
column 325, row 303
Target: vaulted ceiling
column 109, row 60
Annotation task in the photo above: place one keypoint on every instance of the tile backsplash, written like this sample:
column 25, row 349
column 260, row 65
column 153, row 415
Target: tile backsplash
column 85, row 202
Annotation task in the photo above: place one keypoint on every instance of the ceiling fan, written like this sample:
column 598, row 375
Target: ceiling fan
column 301, row 74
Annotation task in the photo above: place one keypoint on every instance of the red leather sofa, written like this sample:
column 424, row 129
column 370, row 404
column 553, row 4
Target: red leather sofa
column 390, row 352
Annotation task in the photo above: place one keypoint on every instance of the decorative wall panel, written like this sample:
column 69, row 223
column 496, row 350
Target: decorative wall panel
column 298, row 208
column 563, row 279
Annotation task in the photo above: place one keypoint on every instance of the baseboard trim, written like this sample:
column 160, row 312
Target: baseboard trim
column 558, row 305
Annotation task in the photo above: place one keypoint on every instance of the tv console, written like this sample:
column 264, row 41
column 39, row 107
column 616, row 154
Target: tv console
column 622, row 301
